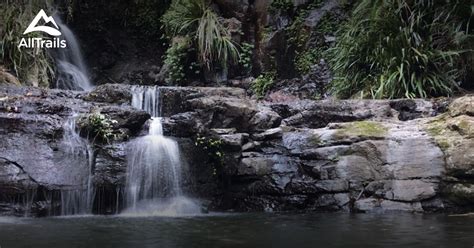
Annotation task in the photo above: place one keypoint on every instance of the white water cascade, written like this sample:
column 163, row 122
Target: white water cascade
column 72, row 71
column 153, row 185
column 78, row 201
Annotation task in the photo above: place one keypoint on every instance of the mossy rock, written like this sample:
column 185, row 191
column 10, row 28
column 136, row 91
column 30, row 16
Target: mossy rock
column 447, row 131
column 462, row 106
column 366, row 129
column 455, row 137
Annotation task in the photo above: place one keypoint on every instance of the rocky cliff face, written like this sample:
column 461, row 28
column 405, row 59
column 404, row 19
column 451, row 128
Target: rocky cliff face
column 353, row 155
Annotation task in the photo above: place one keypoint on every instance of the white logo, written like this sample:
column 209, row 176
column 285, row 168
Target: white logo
column 55, row 42
column 47, row 19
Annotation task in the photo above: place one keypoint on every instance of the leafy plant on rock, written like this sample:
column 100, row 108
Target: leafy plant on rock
column 97, row 127
column 213, row 148
column 262, row 84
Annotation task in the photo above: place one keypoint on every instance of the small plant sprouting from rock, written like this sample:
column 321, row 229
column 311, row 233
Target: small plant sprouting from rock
column 97, row 127
column 213, row 148
column 262, row 84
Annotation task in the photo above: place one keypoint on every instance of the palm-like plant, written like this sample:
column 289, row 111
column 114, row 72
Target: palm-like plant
column 196, row 19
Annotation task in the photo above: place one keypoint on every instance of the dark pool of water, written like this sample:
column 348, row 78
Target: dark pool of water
column 242, row 230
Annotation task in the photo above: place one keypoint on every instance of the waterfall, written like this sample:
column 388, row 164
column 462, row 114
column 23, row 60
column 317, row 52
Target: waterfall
column 153, row 184
column 78, row 200
column 72, row 72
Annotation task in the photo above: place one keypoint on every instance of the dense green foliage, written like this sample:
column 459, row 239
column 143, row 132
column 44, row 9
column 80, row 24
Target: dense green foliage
column 262, row 84
column 31, row 66
column 97, row 127
column 401, row 48
column 175, row 59
column 196, row 19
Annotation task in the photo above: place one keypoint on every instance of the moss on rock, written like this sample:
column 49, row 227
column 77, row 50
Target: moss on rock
column 448, row 131
column 462, row 106
column 362, row 129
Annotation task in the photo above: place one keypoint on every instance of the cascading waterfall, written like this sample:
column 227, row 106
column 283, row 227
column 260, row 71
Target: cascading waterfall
column 72, row 71
column 78, row 200
column 153, row 185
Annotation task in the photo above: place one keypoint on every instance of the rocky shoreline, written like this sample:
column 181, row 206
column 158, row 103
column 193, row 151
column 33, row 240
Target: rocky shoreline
column 330, row 155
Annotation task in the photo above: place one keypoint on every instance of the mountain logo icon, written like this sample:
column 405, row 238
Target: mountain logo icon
column 47, row 19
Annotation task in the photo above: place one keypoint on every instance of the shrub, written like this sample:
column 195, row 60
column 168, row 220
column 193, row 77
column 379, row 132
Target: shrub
column 31, row 66
column 262, row 84
column 196, row 19
column 401, row 48
column 97, row 127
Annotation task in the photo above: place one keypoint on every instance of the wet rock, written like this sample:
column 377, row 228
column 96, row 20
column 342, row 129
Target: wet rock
column 317, row 80
column 314, row 187
column 14, row 179
column 264, row 119
column 110, row 165
column 462, row 194
column 251, row 146
column 241, row 83
column 326, row 153
column 233, row 142
column 379, row 205
column 220, row 131
column 300, row 155
column 273, row 133
column 332, row 201
column 182, row 125
column 255, row 166
column 110, row 93
column 126, row 117
column 404, row 190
